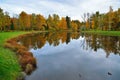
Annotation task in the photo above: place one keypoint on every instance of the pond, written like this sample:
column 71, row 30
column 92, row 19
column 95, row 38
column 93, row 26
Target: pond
column 74, row 56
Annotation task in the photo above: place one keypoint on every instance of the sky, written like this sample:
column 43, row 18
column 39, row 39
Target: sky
column 72, row 8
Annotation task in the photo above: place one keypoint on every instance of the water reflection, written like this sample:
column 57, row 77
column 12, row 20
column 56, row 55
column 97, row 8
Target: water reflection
column 74, row 56
column 53, row 38
column 110, row 44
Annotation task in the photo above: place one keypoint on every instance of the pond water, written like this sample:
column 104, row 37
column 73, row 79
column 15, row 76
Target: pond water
column 74, row 56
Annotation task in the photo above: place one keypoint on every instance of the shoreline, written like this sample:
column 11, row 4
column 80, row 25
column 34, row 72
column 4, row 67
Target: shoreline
column 106, row 33
column 25, row 58
column 21, row 56
column 15, row 58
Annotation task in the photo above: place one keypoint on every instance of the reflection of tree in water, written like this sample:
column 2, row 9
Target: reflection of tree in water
column 36, row 41
column 110, row 44
column 68, row 38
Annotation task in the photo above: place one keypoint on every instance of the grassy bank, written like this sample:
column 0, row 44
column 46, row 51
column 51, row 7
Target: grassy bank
column 107, row 33
column 9, row 67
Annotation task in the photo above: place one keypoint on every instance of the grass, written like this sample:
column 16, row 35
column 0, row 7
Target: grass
column 9, row 66
column 107, row 33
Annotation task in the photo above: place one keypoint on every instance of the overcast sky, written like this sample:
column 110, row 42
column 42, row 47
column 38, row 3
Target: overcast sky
column 73, row 8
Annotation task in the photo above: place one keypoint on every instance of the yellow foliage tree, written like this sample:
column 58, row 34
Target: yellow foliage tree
column 62, row 24
column 74, row 25
column 40, row 22
column 93, row 24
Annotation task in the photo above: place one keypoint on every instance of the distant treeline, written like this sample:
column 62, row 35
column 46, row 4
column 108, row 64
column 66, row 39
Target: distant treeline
column 108, row 21
column 24, row 21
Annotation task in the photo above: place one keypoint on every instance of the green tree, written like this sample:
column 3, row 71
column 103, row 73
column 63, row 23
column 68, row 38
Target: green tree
column 68, row 22
column 14, row 24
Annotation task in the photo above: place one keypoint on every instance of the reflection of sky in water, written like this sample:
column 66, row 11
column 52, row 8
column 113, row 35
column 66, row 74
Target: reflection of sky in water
column 49, row 50
column 73, row 62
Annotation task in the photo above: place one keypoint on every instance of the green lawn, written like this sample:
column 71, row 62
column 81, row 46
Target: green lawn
column 107, row 33
column 9, row 66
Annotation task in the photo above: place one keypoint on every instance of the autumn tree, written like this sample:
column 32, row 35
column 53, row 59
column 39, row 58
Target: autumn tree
column 50, row 22
column 101, row 21
column 92, row 24
column 96, row 18
column 24, row 21
column 110, row 16
column 6, row 21
column 78, row 24
column 63, row 24
column 75, row 24
column 56, row 21
column 118, row 16
column 40, row 22
column 53, row 21
column 84, row 21
column 87, row 24
column 33, row 21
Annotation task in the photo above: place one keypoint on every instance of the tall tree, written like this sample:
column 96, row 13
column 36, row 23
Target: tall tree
column 40, row 22
column 7, row 21
column 56, row 21
column 110, row 16
column 1, row 19
column 68, row 22
column 33, row 21
column 24, row 21
column 50, row 22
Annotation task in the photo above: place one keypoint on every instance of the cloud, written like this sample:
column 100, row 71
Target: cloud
column 73, row 8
